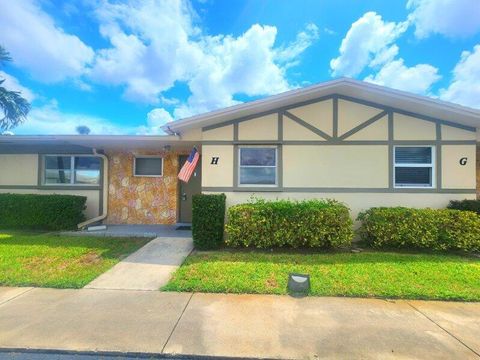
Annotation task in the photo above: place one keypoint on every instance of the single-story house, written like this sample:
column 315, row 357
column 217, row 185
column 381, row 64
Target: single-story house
column 362, row 144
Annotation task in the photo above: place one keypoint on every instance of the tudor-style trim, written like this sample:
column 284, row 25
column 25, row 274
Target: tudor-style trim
column 270, row 112
column 408, row 113
column 335, row 98
column 339, row 142
column 280, row 127
column 337, row 190
column 335, row 116
column 438, row 155
column 346, row 86
column 307, row 125
column 363, row 125
column 390, row 151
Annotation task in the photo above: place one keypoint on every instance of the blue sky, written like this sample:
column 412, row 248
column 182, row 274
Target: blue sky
column 128, row 67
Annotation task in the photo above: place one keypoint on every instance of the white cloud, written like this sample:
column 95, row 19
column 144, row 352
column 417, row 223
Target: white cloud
column 155, row 44
column 452, row 18
column 416, row 79
column 48, row 119
column 11, row 83
column 368, row 41
column 465, row 86
column 37, row 44
column 155, row 120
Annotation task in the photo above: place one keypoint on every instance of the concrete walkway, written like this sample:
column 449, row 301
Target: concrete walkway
column 237, row 325
column 148, row 268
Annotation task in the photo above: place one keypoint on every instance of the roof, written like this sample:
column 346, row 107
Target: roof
column 361, row 90
column 82, row 143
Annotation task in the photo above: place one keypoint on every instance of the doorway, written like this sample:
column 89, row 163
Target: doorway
column 187, row 190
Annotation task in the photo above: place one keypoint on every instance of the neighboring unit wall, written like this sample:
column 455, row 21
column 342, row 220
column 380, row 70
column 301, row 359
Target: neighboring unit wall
column 339, row 147
column 478, row 171
column 20, row 174
column 141, row 200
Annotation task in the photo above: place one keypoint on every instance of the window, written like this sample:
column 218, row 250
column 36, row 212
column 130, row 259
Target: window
column 258, row 166
column 414, row 166
column 148, row 166
column 71, row 170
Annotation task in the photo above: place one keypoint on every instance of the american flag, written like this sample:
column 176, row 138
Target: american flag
column 189, row 166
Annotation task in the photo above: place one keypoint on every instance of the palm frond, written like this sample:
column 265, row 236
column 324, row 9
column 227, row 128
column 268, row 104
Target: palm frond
column 4, row 55
column 15, row 108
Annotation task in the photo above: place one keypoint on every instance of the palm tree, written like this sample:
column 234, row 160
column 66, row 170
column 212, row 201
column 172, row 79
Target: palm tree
column 15, row 107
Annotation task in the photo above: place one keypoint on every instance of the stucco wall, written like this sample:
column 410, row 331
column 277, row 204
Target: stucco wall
column 335, row 166
column 18, row 169
column 141, row 200
column 310, row 161
column 220, row 174
column 19, row 175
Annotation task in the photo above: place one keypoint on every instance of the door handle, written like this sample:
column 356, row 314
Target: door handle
column 184, row 196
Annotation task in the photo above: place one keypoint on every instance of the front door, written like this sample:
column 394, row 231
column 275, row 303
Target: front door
column 187, row 190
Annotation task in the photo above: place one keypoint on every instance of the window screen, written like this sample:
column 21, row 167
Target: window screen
column 414, row 166
column 148, row 166
column 72, row 170
column 258, row 166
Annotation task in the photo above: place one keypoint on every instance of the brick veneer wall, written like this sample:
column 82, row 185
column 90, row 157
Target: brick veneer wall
column 141, row 200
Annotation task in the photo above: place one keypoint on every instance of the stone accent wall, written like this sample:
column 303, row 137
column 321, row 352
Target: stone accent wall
column 141, row 200
column 478, row 171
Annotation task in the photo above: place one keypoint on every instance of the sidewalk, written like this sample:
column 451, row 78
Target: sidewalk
column 237, row 325
column 149, row 268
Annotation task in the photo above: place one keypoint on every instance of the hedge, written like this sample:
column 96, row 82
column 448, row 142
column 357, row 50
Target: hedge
column 283, row 223
column 208, row 219
column 438, row 229
column 465, row 205
column 43, row 212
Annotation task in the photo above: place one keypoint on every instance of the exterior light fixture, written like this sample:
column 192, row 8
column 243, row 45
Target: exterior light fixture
column 298, row 284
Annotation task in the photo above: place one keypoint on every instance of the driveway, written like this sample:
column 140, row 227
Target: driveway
column 237, row 325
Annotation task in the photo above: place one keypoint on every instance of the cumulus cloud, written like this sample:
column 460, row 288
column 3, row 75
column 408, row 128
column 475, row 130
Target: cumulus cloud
column 156, row 118
column 416, row 79
column 452, row 18
column 370, row 40
column 37, row 44
column 49, row 119
column 155, row 44
column 11, row 83
column 465, row 86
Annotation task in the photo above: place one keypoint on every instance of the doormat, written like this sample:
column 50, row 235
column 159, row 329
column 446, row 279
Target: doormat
column 184, row 227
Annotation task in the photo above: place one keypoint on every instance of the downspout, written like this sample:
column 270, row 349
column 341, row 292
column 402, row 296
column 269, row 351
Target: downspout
column 103, row 215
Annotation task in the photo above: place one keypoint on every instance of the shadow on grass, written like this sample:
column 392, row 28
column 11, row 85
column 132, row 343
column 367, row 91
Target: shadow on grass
column 310, row 257
column 110, row 247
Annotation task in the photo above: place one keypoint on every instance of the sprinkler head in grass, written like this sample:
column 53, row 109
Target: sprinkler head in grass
column 298, row 284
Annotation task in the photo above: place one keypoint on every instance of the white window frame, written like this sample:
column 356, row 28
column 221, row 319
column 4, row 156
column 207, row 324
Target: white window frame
column 147, row 157
column 432, row 165
column 259, row 166
column 72, row 170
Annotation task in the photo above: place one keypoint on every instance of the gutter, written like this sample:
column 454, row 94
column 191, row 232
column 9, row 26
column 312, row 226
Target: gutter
column 103, row 215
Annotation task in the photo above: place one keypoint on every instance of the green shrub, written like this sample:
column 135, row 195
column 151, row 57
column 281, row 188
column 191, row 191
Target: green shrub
column 208, row 220
column 438, row 229
column 283, row 223
column 465, row 205
column 43, row 212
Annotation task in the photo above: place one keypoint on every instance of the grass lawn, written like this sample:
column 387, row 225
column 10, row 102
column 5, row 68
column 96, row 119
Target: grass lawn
column 365, row 274
column 41, row 259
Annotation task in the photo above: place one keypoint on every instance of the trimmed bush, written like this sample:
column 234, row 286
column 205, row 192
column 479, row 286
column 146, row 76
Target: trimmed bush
column 465, row 205
column 283, row 223
column 42, row 212
column 208, row 220
column 438, row 229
